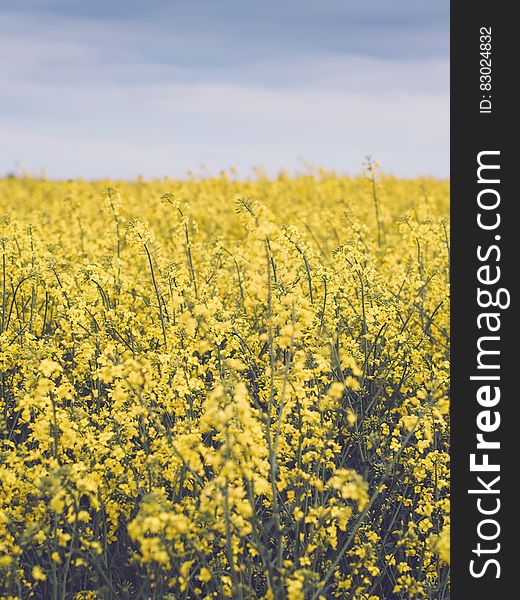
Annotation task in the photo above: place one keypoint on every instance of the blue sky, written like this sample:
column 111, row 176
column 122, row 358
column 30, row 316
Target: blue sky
column 118, row 88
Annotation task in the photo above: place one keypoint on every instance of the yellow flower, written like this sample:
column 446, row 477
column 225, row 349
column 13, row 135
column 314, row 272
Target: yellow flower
column 49, row 368
column 38, row 574
column 204, row 575
column 206, row 383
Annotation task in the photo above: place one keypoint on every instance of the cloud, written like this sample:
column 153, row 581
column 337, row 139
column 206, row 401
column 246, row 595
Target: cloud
column 168, row 129
column 96, row 96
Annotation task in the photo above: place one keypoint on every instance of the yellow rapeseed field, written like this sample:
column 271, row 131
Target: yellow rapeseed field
column 225, row 388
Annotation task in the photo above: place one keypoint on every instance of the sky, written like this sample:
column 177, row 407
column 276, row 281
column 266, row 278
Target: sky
column 121, row 88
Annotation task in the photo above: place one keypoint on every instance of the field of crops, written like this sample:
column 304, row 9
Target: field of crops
column 225, row 388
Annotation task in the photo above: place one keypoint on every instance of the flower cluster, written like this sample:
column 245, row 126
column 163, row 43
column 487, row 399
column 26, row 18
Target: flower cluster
column 225, row 389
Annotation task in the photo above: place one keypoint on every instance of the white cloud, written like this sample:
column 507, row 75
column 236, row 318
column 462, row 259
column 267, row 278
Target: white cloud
column 76, row 105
